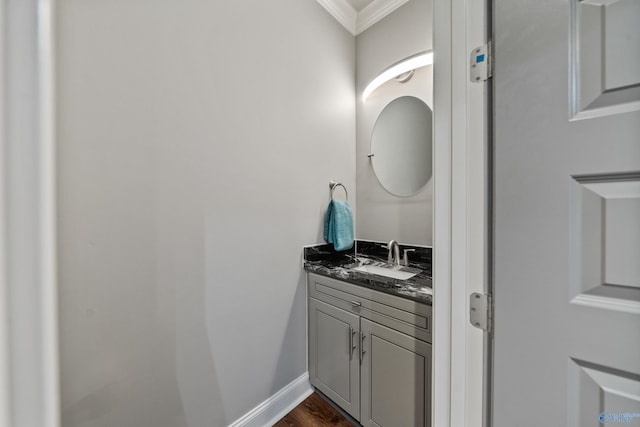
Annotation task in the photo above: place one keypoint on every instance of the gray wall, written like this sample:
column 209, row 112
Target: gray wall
column 382, row 216
column 196, row 141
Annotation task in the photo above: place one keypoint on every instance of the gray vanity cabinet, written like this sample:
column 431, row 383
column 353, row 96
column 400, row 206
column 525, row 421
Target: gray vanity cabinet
column 394, row 378
column 369, row 352
column 334, row 363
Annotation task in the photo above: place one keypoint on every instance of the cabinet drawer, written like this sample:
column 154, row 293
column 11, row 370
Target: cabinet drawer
column 405, row 315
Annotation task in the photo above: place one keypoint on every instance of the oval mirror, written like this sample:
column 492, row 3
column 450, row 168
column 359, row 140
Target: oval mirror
column 401, row 146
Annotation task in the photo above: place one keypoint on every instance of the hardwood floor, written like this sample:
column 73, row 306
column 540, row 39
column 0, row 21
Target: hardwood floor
column 314, row 412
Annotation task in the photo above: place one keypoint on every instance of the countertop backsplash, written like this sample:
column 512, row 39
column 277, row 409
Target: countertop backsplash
column 421, row 258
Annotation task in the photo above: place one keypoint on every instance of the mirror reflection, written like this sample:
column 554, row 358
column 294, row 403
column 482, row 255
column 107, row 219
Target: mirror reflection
column 401, row 145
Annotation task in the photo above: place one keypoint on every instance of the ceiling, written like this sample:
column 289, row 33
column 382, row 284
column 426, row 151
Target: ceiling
column 358, row 15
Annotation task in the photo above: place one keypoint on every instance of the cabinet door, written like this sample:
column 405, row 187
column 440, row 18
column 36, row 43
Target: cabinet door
column 396, row 378
column 334, row 366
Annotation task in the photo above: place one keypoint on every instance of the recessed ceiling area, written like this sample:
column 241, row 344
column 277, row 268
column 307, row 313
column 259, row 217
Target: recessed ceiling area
column 358, row 5
column 358, row 15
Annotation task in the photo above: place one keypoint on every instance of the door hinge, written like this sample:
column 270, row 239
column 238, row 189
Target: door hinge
column 480, row 311
column 481, row 60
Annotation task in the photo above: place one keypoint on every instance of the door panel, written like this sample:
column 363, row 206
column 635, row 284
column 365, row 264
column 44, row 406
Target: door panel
column 334, row 363
column 596, row 391
column 566, row 250
column 605, row 212
column 396, row 378
column 605, row 63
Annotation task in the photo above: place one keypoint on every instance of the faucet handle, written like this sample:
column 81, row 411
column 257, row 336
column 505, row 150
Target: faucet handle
column 405, row 258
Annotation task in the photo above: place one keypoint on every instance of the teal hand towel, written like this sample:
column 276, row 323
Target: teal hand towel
column 338, row 225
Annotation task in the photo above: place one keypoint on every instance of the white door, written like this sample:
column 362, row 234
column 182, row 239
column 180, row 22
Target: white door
column 566, row 226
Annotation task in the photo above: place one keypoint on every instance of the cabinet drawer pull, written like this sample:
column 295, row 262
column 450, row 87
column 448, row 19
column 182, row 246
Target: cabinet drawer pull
column 351, row 345
column 356, row 303
column 362, row 350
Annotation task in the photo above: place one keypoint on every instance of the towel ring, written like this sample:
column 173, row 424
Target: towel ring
column 334, row 184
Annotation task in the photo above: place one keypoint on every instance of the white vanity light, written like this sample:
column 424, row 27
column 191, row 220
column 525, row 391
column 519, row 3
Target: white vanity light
column 411, row 63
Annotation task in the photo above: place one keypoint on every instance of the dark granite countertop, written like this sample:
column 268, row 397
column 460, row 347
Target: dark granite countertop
column 324, row 261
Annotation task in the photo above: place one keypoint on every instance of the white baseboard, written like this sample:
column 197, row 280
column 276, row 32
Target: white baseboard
column 277, row 406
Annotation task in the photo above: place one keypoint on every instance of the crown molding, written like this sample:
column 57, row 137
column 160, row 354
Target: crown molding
column 356, row 22
column 343, row 12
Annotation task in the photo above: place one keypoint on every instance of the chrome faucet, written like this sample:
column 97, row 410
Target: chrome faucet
column 394, row 257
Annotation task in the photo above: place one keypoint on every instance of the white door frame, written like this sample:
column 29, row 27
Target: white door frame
column 460, row 213
column 29, row 392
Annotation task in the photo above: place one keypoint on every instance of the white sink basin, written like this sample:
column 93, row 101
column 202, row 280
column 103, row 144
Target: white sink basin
column 385, row 271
